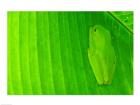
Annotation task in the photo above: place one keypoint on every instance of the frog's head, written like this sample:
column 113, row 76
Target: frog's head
column 99, row 36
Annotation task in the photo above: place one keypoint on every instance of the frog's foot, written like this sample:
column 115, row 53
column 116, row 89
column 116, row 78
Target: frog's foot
column 100, row 82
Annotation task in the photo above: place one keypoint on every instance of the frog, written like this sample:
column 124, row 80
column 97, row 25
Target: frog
column 101, row 54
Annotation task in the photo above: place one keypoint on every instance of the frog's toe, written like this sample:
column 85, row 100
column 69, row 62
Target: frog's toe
column 100, row 82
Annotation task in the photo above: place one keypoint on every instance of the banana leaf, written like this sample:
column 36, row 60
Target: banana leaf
column 47, row 53
column 125, row 18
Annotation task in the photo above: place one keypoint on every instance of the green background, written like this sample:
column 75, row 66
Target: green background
column 47, row 53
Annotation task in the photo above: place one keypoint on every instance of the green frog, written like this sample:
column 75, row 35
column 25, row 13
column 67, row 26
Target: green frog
column 101, row 54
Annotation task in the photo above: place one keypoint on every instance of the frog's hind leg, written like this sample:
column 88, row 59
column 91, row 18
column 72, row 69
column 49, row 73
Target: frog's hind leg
column 104, row 68
column 95, row 64
column 113, row 67
column 113, row 70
